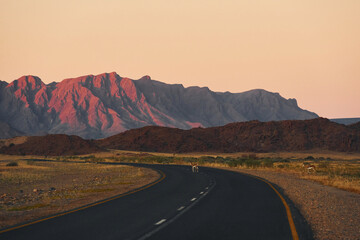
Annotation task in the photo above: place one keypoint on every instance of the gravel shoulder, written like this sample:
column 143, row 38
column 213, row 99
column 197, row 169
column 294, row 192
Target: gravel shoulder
column 32, row 190
column 332, row 213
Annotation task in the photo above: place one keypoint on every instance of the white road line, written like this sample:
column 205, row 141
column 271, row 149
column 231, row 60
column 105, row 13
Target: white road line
column 181, row 208
column 193, row 199
column 201, row 192
column 160, row 222
column 207, row 188
column 171, row 220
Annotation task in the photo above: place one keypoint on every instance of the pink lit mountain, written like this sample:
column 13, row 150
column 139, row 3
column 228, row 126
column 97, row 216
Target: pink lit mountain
column 107, row 104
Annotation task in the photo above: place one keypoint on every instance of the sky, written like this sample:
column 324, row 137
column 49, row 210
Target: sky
column 308, row 49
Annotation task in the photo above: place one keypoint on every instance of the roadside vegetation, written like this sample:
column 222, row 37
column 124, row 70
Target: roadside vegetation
column 31, row 189
column 337, row 170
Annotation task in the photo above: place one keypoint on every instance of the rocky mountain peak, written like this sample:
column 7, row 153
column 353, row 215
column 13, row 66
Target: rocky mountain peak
column 26, row 83
column 146, row 77
column 96, row 106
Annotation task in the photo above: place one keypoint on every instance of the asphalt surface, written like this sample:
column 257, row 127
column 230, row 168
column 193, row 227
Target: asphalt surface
column 211, row 204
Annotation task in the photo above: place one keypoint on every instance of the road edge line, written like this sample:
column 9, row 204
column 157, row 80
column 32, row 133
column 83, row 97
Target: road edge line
column 11, row 228
column 294, row 233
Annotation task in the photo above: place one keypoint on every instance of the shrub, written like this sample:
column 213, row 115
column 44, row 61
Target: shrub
column 240, row 161
column 309, row 158
column 206, row 159
column 285, row 160
column 268, row 163
column 232, row 163
column 12, row 164
column 251, row 163
column 163, row 160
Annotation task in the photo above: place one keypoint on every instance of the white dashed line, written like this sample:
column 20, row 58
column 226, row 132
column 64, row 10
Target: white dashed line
column 160, row 222
column 180, row 208
column 207, row 188
column 201, row 192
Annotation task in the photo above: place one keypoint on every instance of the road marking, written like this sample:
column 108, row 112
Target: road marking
column 288, row 212
column 207, row 188
column 181, row 208
column 161, row 221
column 201, row 192
column 171, row 220
column 193, row 199
column 162, row 174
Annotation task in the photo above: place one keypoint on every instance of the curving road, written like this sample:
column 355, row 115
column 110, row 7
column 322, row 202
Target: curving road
column 212, row 204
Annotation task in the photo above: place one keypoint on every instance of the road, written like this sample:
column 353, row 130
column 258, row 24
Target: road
column 211, row 204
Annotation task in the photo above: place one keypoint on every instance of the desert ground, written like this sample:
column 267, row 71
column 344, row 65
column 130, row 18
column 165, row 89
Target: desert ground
column 31, row 189
column 328, row 196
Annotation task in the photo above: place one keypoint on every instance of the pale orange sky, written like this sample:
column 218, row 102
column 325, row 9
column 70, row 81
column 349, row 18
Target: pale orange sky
column 306, row 49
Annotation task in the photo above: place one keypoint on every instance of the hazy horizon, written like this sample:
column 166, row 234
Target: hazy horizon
column 308, row 50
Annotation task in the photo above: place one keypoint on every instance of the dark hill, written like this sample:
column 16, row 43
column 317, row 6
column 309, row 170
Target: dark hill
column 52, row 145
column 254, row 136
column 355, row 126
column 345, row 121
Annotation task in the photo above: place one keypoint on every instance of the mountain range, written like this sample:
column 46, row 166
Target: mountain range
column 106, row 104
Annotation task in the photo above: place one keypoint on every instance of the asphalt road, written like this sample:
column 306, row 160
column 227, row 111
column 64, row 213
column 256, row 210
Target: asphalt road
column 211, row 204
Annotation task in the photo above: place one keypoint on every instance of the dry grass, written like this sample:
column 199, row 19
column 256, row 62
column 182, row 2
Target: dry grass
column 15, row 141
column 340, row 170
column 340, row 175
column 273, row 155
column 34, row 189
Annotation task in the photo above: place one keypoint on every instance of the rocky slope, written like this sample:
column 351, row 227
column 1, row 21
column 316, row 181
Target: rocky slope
column 52, row 145
column 6, row 131
column 107, row 104
column 346, row 121
column 253, row 136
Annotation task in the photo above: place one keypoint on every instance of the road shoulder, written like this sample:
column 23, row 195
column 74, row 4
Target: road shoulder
column 332, row 213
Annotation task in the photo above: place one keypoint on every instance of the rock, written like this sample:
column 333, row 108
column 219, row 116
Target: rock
column 114, row 104
column 253, row 136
